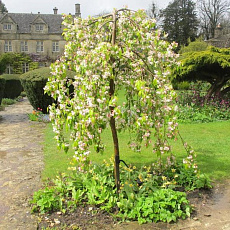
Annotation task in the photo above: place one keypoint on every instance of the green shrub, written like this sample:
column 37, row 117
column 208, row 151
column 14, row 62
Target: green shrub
column 8, row 101
column 184, row 85
column 146, row 195
column 2, row 88
column 33, row 83
column 13, row 87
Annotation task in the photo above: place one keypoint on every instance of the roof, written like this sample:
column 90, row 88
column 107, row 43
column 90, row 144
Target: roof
column 24, row 20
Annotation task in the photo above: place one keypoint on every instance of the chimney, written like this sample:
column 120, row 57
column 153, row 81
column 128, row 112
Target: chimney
column 55, row 9
column 77, row 10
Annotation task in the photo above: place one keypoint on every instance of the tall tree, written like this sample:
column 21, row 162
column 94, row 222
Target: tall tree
column 2, row 7
column 212, row 12
column 180, row 21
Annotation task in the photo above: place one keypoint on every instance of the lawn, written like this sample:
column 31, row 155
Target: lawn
column 209, row 140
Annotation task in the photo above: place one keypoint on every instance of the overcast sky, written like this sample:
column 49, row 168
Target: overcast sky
column 88, row 7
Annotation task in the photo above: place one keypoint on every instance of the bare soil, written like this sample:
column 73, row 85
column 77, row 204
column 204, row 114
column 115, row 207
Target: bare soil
column 21, row 163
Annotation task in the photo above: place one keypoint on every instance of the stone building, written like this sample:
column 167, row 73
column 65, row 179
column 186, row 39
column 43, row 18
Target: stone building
column 220, row 39
column 39, row 35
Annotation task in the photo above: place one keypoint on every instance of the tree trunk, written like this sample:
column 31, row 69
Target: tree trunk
column 215, row 90
column 112, row 119
column 224, row 91
column 211, row 90
column 116, row 152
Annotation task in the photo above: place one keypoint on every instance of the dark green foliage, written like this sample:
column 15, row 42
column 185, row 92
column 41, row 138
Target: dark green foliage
column 180, row 21
column 2, row 88
column 13, row 87
column 33, row 83
column 2, row 7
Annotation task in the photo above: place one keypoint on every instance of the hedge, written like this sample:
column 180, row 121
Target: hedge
column 13, row 87
column 2, row 88
column 33, row 83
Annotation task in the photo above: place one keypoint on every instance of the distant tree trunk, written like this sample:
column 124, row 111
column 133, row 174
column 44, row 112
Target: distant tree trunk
column 224, row 91
column 215, row 89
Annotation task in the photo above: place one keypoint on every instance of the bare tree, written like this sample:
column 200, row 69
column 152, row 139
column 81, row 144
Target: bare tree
column 212, row 12
column 155, row 12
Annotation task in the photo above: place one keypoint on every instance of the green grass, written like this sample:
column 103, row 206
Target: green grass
column 210, row 140
column 56, row 161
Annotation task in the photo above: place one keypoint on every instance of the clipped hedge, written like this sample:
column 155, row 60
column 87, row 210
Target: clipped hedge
column 13, row 86
column 2, row 88
column 33, row 83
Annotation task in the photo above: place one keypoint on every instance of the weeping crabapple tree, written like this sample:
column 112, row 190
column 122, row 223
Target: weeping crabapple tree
column 118, row 51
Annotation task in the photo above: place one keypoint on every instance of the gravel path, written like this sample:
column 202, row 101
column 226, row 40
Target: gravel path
column 21, row 162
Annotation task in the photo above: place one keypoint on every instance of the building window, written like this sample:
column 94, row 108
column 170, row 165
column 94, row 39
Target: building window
column 40, row 47
column 24, row 46
column 8, row 46
column 25, row 67
column 39, row 27
column 9, row 70
column 55, row 46
column 7, row 26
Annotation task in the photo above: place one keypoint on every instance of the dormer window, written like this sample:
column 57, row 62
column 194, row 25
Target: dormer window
column 7, row 26
column 39, row 27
